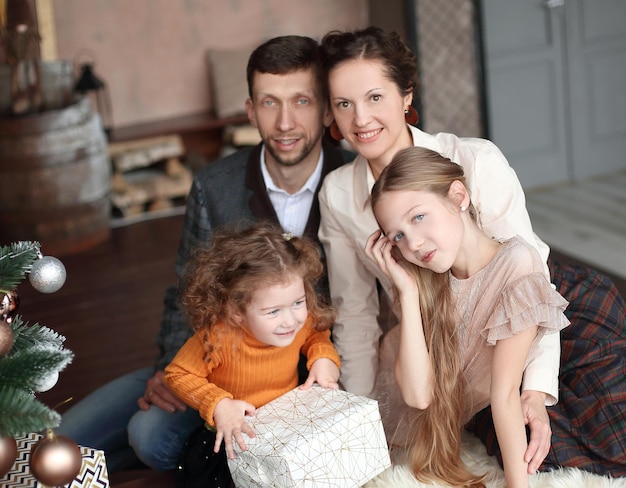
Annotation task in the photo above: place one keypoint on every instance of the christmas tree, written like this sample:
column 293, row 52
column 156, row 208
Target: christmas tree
column 31, row 356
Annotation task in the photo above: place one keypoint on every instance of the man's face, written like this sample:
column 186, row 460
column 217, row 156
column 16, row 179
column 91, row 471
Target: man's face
column 290, row 115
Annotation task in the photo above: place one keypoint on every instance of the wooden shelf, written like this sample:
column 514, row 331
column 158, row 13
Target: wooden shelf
column 202, row 133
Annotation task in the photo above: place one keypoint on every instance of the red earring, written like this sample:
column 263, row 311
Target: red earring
column 335, row 133
column 411, row 116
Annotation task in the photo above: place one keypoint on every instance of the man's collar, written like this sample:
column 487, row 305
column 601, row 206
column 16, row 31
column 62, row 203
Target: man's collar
column 310, row 184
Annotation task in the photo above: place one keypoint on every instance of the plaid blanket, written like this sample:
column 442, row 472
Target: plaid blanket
column 589, row 421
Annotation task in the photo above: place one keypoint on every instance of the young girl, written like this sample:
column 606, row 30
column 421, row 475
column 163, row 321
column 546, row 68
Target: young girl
column 250, row 298
column 472, row 310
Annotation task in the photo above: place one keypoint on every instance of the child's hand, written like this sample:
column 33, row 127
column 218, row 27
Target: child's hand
column 380, row 249
column 324, row 372
column 229, row 422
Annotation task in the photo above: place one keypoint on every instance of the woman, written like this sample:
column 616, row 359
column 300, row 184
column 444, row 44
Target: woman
column 372, row 76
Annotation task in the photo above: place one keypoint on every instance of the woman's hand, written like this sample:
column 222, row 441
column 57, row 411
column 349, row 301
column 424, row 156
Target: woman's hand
column 379, row 248
column 229, row 422
column 324, row 372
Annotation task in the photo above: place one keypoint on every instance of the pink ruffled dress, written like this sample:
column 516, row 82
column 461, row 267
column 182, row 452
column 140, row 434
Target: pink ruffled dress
column 507, row 296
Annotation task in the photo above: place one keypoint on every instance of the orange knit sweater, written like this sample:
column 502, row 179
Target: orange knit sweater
column 243, row 368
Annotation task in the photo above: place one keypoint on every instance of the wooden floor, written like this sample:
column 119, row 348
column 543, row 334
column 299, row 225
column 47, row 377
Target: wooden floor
column 110, row 306
column 586, row 219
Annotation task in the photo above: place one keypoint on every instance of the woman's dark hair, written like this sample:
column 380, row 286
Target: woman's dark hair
column 372, row 43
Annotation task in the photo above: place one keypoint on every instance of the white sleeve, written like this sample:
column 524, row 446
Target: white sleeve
column 500, row 201
column 542, row 371
column 353, row 290
column 499, row 198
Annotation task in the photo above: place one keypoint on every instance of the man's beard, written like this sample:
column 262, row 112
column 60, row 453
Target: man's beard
column 306, row 150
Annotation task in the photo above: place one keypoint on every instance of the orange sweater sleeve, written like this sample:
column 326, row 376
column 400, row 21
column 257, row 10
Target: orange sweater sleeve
column 318, row 345
column 187, row 377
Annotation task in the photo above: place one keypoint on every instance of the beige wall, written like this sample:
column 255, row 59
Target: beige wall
column 151, row 53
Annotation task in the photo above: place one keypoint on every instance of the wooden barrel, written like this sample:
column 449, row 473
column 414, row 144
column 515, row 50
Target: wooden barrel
column 56, row 84
column 55, row 179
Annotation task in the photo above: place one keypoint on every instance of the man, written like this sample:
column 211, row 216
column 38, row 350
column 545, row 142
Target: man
column 277, row 180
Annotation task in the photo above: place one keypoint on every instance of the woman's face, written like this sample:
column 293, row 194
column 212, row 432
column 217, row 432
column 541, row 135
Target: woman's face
column 369, row 110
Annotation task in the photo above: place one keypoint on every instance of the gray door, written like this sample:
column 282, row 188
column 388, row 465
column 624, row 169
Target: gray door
column 556, row 81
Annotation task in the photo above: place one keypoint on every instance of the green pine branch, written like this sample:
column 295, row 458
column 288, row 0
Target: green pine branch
column 27, row 368
column 36, row 354
column 22, row 413
column 27, row 336
column 15, row 261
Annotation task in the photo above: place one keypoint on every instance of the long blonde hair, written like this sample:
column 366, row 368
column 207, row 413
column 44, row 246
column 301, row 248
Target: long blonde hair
column 435, row 432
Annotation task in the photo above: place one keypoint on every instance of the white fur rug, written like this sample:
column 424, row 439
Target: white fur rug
column 476, row 458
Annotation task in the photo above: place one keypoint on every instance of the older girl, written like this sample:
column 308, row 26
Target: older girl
column 472, row 310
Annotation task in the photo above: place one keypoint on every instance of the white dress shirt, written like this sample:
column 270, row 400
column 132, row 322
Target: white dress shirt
column 292, row 210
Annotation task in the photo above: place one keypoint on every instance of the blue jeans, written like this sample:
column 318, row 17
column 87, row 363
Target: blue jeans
column 109, row 419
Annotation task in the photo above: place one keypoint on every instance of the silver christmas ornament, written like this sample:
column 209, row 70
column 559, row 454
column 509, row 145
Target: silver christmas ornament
column 45, row 384
column 47, row 274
